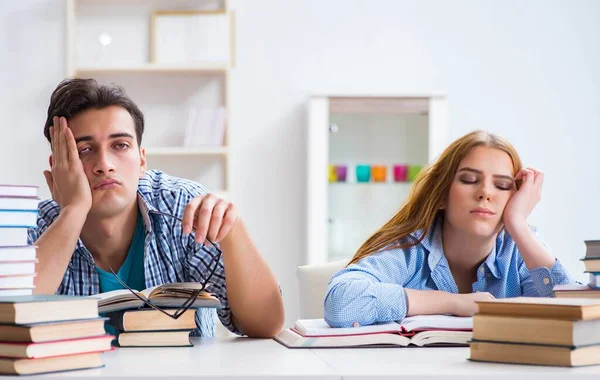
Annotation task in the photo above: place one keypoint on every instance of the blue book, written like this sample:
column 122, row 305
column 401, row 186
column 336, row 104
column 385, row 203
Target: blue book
column 18, row 218
column 46, row 308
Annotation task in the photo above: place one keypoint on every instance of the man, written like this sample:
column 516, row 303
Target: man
column 107, row 214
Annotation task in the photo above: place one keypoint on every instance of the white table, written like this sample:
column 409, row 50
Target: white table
column 244, row 358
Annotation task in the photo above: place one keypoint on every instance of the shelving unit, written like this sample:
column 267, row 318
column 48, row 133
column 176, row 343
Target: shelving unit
column 165, row 92
column 370, row 130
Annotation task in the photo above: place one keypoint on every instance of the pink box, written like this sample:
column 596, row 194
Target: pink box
column 400, row 172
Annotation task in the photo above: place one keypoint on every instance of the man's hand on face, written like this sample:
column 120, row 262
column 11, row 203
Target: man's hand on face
column 211, row 216
column 67, row 180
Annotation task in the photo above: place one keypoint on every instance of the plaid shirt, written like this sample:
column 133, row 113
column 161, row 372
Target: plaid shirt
column 169, row 255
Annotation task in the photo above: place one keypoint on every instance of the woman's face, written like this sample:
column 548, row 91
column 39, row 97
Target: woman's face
column 482, row 186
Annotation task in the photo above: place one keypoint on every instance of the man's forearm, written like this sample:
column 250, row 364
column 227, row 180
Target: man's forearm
column 252, row 291
column 55, row 248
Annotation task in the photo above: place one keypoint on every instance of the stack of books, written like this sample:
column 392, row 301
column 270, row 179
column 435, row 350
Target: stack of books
column 422, row 330
column 18, row 212
column 542, row 331
column 146, row 327
column 592, row 268
column 42, row 334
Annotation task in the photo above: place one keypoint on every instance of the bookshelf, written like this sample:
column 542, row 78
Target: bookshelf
column 116, row 41
column 367, row 131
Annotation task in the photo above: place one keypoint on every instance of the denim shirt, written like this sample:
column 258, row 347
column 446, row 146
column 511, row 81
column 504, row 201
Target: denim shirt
column 372, row 290
column 169, row 255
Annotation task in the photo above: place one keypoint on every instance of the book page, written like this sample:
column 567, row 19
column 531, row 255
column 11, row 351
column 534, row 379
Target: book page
column 439, row 322
column 318, row 327
column 115, row 295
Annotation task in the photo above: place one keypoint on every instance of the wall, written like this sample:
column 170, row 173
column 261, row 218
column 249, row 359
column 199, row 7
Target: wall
column 525, row 70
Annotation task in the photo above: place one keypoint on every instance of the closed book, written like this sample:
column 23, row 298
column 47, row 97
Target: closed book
column 13, row 366
column 591, row 264
column 180, row 338
column 23, row 253
column 13, row 236
column 55, row 348
column 4, row 292
column 516, row 353
column 11, row 268
column 544, row 331
column 166, row 295
column 542, row 307
column 46, row 308
column 19, row 203
column 51, row 331
column 575, row 291
column 592, row 248
column 17, row 281
column 151, row 320
column 18, row 218
column 18, row 190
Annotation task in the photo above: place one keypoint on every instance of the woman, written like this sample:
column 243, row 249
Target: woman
column 462, row 236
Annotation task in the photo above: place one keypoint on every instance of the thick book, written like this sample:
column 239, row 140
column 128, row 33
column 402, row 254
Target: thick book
column 575, row 291
column 18, row 218
column 55, row 348
column 22, row 253
column 46, row 308
column 17, row 281
column 151, row 320
column 409, row 325
column 592, row 248
column 13, row 236
column 19, row 203
column 543, row 331
column 166, row 295
column 591, row 264
column 178, row 338
column 14, row 268
column 542, row 307
column 14, row 366
column 18, row 190
column 515, row 353
column 22, row 291
column 50, row 331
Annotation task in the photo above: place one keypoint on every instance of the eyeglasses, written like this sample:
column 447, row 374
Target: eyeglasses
column 195, row 293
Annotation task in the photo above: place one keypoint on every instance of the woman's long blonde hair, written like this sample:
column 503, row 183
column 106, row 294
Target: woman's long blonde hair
column 429, row 193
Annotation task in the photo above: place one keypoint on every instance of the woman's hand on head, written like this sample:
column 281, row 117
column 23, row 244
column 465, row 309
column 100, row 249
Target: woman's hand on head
column 525, row 199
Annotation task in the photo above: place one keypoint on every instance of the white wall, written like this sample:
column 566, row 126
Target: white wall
column 525, row 70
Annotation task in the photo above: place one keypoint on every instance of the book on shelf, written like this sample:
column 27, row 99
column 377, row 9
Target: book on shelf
column 172, row 338
column 558, row 308
column 543, row 330
column 425, row 330
column 13, row 236
column 18, row 218
column 18, row 203
column 151, row 320
column 52, row 331
column 15, row 366
column 18, row 191
column 566, row 356
column 17, row 253
column 35, row 350
column 166, row 295
column 46, row 308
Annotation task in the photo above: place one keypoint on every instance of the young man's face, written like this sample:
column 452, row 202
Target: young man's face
column 112, row 160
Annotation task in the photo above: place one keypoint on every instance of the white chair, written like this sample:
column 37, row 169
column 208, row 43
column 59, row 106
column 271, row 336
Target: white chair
column 312, row 285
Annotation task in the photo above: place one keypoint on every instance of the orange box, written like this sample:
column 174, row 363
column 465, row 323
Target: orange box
column 379, row 173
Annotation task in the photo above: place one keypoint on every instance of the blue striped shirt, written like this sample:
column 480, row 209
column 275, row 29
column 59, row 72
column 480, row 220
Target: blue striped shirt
column 372, row 290
column 169, row 255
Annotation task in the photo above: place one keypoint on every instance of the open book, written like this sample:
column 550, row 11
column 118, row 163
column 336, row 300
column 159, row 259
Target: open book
column 171, row 295
column 423, row 330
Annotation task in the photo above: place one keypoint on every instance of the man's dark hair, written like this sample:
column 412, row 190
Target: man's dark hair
column 74, row 95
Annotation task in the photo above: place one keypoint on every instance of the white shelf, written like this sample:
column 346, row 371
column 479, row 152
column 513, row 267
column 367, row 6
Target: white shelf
column 205, row 68
column 182, row 151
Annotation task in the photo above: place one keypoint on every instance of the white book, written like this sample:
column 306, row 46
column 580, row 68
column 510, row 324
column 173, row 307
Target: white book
column 203, row 126
column 15, row 268
column 16, row 292
column 318, row 327
column 18, row 218
column 25, row 281
column 18, row 190
column 10, row 237
column 25, row 253
column 19, row 203
column 218, row 127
